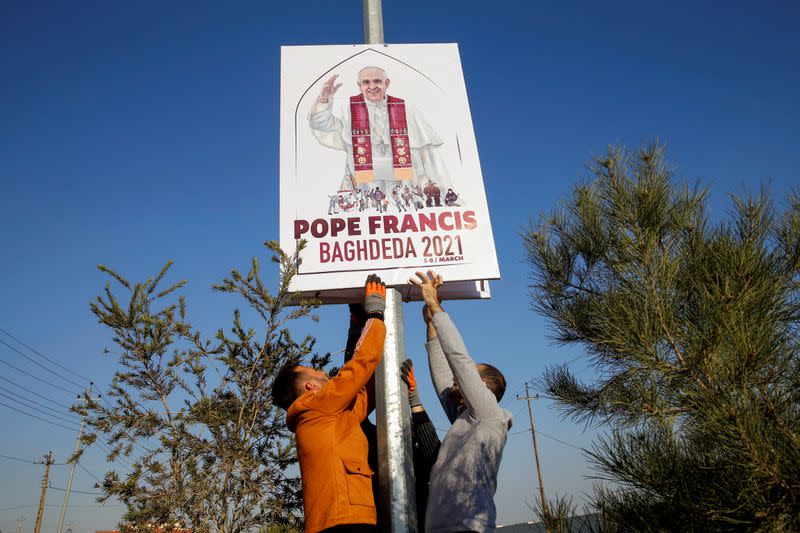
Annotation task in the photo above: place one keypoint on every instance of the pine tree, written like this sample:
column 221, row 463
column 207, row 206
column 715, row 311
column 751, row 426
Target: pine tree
column 193, row 416
column 691, row 326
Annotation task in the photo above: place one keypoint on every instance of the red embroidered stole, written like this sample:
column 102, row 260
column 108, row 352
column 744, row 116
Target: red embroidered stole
column 362, row 142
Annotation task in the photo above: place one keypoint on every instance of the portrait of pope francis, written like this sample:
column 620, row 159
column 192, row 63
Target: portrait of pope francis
column 387, row 142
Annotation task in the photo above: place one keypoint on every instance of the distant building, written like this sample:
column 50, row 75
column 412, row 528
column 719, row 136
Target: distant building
column 523, row 527
column 579, row 524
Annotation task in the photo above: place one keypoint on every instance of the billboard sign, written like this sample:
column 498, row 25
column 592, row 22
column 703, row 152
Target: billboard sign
column 379, row 169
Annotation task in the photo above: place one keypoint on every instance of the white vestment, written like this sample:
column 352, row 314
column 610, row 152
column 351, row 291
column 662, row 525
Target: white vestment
column 330, row 124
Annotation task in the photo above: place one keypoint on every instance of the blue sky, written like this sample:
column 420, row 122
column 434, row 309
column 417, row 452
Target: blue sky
column 132, row 133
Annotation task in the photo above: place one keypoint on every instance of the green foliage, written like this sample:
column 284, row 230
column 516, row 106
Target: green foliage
column 560, row 516
column 193, row 416
column 692, row 329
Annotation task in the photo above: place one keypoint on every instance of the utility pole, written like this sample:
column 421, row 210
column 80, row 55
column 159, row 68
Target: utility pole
column 397, row 511
column 20, row 520
column 528, row 398
column 73, row 462
column 48, row 460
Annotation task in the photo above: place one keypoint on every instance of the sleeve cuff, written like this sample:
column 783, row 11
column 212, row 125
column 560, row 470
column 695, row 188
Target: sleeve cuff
column 377, row 315
column 420, row 417
column 321, row 106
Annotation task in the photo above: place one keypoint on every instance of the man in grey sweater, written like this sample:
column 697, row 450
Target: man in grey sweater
column 464, row 477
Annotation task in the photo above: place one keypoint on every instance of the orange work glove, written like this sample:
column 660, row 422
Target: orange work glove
column 407, row 373
column 374, row 296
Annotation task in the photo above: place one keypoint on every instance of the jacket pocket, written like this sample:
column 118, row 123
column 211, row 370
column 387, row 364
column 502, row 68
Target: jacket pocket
column 359, row 482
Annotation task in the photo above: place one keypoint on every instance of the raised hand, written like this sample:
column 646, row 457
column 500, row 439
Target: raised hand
column 374, row 295
column 429, row 284
column 407, row 374
column 329, row 89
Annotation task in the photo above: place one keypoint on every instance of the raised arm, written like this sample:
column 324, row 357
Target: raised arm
column 340, row 392
column 441, row 374
column 358, row 318
column 321, row 118
column 342, row 389
column 480, row 401
column 440, row 370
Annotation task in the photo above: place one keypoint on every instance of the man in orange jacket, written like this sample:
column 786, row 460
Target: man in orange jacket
column 325, row 414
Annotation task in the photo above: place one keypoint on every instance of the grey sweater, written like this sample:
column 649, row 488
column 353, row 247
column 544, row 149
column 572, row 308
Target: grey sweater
column 464, row 477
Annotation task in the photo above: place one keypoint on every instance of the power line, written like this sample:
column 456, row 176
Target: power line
column 91, row 383
column 88, row 506
column 559, row 440
column 37, row 363
column 518, row 412
column 18, row 459
column 511, row 396
column 18, row 507
column 27, row 460
column 85, row 470
column 22, row 398
column 46, row 413
column 45, row 357
column 540, row 432
column 34, row 393
column 37, row 378
column 38, row 417
column 50, row 487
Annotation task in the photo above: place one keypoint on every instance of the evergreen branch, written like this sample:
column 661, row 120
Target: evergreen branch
column 692, row 328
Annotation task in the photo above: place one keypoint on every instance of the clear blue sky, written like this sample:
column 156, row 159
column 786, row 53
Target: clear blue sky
column 135, row 132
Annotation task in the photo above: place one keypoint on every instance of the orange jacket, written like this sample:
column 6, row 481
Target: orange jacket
column 332, row 449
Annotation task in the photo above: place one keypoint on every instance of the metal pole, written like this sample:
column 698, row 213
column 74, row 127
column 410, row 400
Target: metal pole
column 397, row 511
column 69, row 480
column 535, row 447
column 373, row 21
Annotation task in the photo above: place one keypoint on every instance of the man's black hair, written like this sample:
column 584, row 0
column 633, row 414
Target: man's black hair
column 284, row 386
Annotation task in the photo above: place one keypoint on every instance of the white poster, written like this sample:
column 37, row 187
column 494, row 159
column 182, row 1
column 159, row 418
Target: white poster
column 380, row 170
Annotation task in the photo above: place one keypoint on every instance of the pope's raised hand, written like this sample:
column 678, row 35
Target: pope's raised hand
column 329, row 89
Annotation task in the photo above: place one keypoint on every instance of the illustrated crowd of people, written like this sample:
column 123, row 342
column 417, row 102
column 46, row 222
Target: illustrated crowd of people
column 400, row 199
column 455, row 479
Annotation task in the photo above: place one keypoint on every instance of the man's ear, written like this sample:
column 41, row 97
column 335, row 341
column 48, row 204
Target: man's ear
column 386, row 84
column 308, row 385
